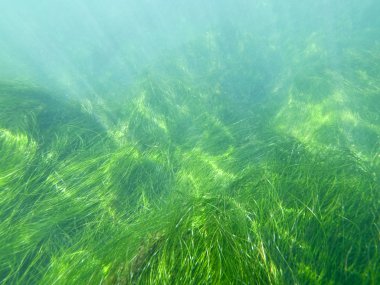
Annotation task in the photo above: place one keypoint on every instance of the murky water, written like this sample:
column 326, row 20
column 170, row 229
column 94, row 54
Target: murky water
column 183, row 142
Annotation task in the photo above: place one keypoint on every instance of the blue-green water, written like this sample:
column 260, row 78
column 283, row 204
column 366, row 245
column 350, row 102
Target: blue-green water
column 190, row 142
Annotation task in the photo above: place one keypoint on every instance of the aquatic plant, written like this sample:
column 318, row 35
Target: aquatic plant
column 181, row 183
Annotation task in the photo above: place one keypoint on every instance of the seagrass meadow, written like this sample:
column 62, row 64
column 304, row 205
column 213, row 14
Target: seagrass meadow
column 190, row 142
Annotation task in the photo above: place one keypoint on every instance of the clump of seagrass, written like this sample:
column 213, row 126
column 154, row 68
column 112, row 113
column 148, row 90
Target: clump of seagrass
column 212, row 239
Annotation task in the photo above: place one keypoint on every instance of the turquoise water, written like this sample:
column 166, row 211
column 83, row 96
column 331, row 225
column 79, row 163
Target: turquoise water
column 183, row 142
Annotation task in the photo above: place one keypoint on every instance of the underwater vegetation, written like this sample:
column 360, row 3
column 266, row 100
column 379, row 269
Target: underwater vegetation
column 207, row 169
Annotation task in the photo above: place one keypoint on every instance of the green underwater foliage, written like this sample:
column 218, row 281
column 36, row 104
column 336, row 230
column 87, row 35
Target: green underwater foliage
column 215, row 171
